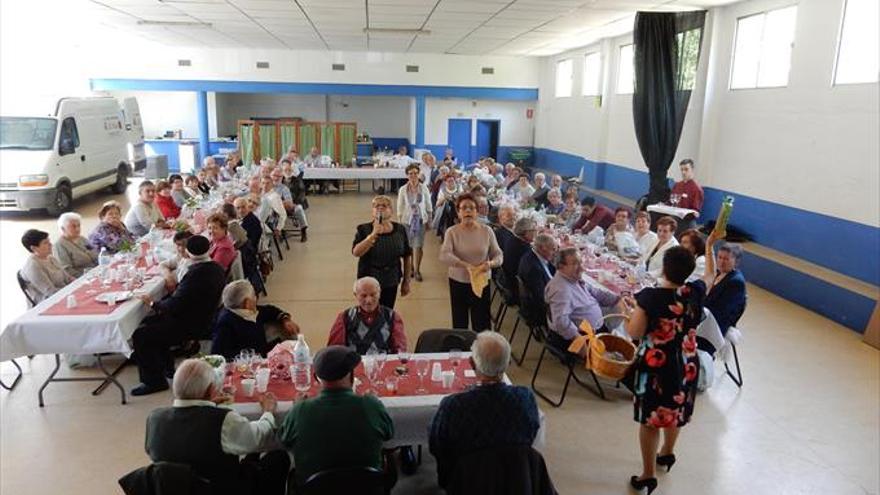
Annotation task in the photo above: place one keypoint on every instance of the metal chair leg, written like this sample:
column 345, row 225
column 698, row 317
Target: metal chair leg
column 541, row 394
column 738, row 379
column 522, row 356
column 513, row 332
column 277, row 247
column 16, row 380
column 500, row 320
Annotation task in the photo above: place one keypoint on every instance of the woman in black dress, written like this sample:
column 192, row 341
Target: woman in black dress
column 380, row 246
column 667, row 367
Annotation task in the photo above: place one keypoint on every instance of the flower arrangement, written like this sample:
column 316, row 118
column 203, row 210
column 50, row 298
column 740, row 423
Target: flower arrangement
column 281, row 359
column 125, row 246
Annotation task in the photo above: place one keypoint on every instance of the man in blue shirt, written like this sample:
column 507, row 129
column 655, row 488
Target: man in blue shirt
column 490, row 415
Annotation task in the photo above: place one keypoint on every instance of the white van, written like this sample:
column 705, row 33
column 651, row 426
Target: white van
column 46, row 162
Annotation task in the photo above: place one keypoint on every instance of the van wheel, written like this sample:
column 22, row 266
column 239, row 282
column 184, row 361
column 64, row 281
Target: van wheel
column 121, row 183
column 61, row 201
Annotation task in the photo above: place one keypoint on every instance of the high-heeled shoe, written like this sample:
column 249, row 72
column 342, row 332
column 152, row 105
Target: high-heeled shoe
column 666, row 461
column 649, row 483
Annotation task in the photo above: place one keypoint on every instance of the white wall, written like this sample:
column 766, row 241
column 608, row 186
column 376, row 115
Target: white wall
column 232, row 107
column 378, row 116
column 810, row 145
column 165, row 111
column 514, row 130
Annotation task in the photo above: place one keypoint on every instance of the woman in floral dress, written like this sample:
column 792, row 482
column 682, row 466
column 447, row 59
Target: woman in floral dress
column 111, row 233
column 666, row 369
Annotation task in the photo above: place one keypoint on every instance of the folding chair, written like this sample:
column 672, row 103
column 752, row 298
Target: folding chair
column 507, row 300
column 534, row 314
column 444, row 340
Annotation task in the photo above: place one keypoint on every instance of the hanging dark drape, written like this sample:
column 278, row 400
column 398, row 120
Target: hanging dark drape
column 666, row 53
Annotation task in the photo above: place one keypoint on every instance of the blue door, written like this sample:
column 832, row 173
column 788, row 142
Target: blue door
column 459, row 139
column 487, row 138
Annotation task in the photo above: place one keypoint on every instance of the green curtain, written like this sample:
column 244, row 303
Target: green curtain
column 246, row 143
column 267, row 141
column 347, row 146
column 328, row 140
column 307, row 138
column 288, row 138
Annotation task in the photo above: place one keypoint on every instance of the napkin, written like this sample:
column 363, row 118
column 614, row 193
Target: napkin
column 479, row 280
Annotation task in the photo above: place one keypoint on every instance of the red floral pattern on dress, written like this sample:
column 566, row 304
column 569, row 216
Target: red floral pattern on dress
column 664, row 332
column 663, row 417
column 655, row 358
column 679, row 398
column 690, row 372
column 689, row 344
column 677, row 309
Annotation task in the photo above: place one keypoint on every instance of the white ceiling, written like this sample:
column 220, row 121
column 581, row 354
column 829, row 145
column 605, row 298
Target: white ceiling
column 472, row 27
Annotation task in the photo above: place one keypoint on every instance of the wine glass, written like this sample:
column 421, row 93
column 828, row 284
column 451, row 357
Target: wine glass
column 369, row 363
column 423, row 364
column 381, row 358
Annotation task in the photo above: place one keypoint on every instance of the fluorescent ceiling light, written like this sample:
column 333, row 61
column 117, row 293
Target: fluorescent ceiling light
column 175, row 23
column 396, row 31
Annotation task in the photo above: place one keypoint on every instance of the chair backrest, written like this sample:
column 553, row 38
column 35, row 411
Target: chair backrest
column 533, row 308
column 23, row 285
column 236, row 268
column 507, row 470
column 360, row 480
column 444, row 340
column 164, row 477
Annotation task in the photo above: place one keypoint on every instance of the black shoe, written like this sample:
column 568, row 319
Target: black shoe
column 408, row 462
column 304, row 236
column 649, row 483
column 148, row 389
column 666, row 461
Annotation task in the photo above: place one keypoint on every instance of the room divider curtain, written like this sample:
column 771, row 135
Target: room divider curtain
column 328, row 140
column 267, row 141
column 288, row 137
column 307, row 138
column 347, row 142
column 246, row 143
column 667, row 51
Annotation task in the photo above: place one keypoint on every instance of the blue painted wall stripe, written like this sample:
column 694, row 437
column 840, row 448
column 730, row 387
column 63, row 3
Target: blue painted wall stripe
column 841, row 245
column 520, row 94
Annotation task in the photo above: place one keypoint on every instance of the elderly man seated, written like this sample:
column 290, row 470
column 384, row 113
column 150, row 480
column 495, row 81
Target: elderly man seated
column 524, row 233
column 536, row 266
column 183, row 316
column 491, row 415
column 368, row 325
column 243, row 324
column 296, row 211
column 338, row 428
column 210, row 439
column 506, row 220
column 572, row 300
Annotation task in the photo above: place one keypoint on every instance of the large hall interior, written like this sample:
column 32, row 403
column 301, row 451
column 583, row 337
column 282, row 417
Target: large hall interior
column 505, row 247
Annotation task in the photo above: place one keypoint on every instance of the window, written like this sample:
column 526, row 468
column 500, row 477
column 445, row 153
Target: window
column 564, row 74
column 625, row 72
column 858, row 52
column 592, row 85
column 762, row 50
column 69, row 138
column 688, row 55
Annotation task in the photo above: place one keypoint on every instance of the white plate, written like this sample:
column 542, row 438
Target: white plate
column 118, row 296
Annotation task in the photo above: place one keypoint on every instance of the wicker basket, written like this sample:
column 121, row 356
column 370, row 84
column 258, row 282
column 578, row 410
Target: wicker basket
column 607, row 367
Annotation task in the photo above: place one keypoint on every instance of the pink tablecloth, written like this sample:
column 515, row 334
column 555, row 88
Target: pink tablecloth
column 408, row 382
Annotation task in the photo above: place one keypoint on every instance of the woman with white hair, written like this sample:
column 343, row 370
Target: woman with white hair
column 243, row 324
column 75, row 253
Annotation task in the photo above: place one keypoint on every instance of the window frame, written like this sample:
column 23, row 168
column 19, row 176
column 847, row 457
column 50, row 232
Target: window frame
column 834, row 69
column 599, row 74
column 570, row 77
column 632, row 62
column 757, row 74
column 75, row 136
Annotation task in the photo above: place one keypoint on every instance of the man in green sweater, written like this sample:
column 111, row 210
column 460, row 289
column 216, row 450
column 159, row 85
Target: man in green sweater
column 337, row 428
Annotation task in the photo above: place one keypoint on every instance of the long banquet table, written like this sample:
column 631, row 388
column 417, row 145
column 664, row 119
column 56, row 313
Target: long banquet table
column 411, row 412
column 365, row 173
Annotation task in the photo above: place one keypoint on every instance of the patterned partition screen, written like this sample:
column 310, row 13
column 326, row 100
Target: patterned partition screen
column 347, row 145
column 246, row 143
column 308, row 138
column 328, row 141
column 267, row 141
column 288, row 138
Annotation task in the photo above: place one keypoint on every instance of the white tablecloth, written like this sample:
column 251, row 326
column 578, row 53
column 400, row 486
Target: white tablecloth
column 365, row 173
column 33, row 333
column 412, row 415
column 672, row 210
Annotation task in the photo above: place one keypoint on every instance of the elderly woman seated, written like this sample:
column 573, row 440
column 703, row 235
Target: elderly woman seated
column 727, row 294
column 555, row 206
column 222, row 249
column 692, row 241
column 75, row 253
column 111, row 233
column 620, row 225
column 42, row 273
column 243, row 324
column 368, row 326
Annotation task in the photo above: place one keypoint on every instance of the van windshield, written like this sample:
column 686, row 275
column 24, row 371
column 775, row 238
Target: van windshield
column 27, row 133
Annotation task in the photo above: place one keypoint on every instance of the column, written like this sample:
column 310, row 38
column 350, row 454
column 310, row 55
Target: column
column 420, row 121
column 202, row 115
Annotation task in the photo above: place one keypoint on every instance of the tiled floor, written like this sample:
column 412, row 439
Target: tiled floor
column 806, row 421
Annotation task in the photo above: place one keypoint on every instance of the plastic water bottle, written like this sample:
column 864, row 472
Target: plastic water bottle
column 301, row 354
column 104, row 257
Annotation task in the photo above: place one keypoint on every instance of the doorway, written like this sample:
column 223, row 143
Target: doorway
column 487, row 138
column 459, row 139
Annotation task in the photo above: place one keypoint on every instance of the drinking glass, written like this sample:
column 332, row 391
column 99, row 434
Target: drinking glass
column 381, row 358
column 369, row 363
column 423, row 365
column 403, row 356
column 455, row 357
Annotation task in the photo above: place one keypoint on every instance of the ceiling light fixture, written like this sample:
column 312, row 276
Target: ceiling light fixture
column 369, row 30
column 175, row 23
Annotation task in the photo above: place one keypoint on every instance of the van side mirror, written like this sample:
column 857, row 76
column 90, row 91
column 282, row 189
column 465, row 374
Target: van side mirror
column 66, row 147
